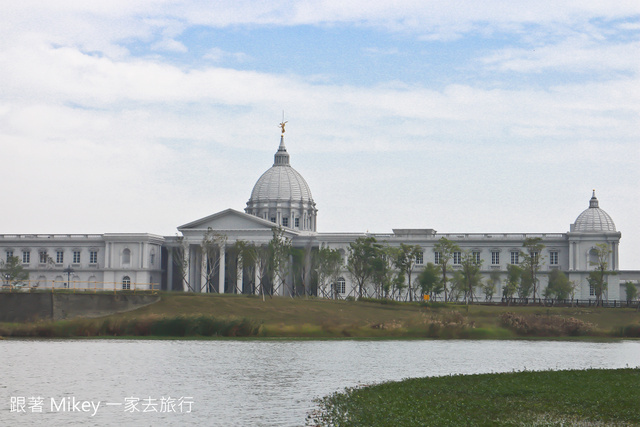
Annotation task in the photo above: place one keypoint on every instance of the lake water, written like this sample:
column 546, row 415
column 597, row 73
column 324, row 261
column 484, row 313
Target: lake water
column 245, row 383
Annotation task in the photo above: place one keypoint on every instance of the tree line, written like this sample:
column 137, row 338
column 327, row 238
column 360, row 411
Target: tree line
column 379, row 270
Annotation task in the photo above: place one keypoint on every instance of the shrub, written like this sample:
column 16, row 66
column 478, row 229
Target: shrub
column 539, row 325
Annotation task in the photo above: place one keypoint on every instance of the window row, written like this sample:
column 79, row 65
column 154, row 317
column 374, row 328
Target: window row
column 43, row 257
column 285, row 221
column 495, row 257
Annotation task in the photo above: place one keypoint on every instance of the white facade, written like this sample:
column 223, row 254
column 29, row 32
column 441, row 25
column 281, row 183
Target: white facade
column 87, row 261
column 282, row 198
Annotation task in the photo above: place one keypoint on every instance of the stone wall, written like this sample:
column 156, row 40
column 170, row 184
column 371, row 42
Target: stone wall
column 27, row 307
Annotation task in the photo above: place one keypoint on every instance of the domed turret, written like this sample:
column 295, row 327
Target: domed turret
column 282, row 196
column 593, row 219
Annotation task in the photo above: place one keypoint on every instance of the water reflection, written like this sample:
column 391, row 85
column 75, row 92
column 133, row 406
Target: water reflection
column 267, row 383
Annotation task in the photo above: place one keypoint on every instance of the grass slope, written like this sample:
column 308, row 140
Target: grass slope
column 589, row 397
column 181, row 314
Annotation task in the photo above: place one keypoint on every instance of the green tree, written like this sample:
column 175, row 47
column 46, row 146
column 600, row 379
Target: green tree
column 513, row 282
column 429, row 280
column 405, row 262
column 213, row 243
column 280, row 265
column 384, row 277
column 631, row 291
column 559, row 286
column 491, row 284
column 304, row 265
column 181, row 259
column 360, row 264
column 471, row 277
column 327, row 266
column 13, row 273
column 598, row 277
column 247, row 254
column 445, row 249
column 532, row 261
column 457, row 288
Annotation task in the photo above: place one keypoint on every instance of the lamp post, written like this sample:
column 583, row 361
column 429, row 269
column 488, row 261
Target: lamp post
column 68, row 270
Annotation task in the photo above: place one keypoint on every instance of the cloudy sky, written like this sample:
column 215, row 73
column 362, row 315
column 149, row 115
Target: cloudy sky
column 462, row 116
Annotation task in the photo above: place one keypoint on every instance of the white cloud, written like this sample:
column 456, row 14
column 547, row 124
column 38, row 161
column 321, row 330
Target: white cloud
column 102, row 130
column 571, row 55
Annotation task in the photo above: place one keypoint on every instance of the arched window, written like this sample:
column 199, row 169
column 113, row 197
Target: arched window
column 126, row 282
column 126, row 257
column 92, row 283
column 341, row 285
column 593, row 257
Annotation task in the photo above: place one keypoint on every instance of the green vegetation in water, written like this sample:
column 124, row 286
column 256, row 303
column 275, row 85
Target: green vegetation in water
column 588, row 397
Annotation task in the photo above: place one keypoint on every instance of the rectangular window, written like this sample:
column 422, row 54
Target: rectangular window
column 341, row 286
column 26, row 257
column 553, row 258
column 76, row 257
column 285, row 222
column 297, row 222
column 152, row 259
column 515, row 257
column 43, row 257
column 592, row 290
column 59, row 257
column 9, row 255
column 420, row 258
column 495, row 258
column 93, row 257
column 456, row 258
column 273, row 219
column 476, row 257
column 436, row 258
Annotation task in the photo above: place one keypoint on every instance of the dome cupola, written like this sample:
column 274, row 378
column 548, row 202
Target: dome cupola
column 281, row 195
column 593, row 219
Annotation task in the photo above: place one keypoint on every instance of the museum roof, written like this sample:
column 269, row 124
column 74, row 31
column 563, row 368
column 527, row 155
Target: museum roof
column 281, row 181
column 593, row 219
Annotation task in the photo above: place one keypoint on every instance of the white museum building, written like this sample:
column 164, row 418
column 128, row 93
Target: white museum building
column 282, row 198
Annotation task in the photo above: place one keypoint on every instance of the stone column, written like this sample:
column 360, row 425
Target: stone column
column 203, row 273
column 187, row 275
column 256, row 281
column 240, row 275
column 223, row 250
column 170, row 269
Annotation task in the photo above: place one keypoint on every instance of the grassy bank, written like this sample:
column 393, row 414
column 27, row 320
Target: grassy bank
column 589, row 397
column 194, row 315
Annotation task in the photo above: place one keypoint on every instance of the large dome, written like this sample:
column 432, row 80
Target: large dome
column 282, row 195
column 281, row 183
column 593, row 219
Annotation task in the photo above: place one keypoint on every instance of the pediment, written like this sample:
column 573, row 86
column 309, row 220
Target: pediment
column 228, row 220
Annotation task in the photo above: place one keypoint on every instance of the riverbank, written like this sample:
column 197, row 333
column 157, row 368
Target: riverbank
column 194, row 315
column 587, row 397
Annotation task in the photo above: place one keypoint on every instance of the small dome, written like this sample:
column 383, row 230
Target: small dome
column 593, row 219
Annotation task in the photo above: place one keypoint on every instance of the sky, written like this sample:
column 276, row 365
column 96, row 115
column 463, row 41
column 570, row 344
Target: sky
column 461, row 116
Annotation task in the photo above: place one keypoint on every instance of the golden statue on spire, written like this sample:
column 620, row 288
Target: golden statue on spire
column 282, row 123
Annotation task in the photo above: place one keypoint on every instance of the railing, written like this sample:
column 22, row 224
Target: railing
column 591, row 302
column 79, row 286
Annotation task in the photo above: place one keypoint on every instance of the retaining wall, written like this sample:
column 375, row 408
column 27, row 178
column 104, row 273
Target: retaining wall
column 27, row 307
